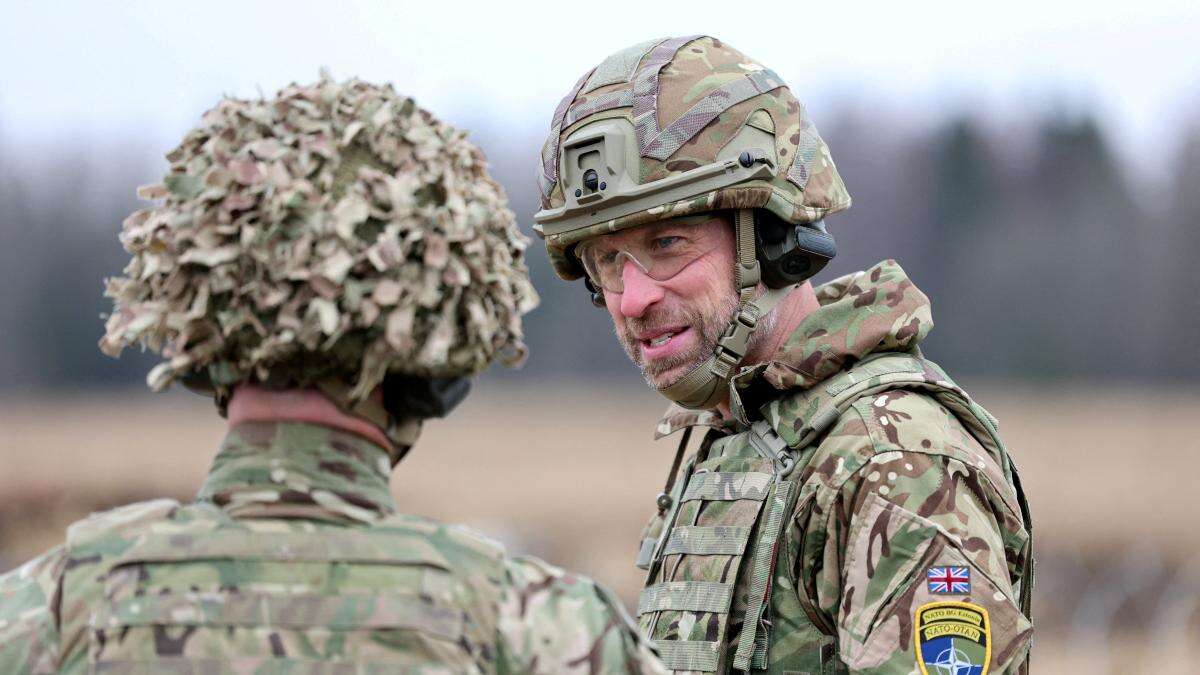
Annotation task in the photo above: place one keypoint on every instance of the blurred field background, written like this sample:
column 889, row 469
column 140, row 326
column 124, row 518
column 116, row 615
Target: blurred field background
column 1114, row 502
column 1035, row 167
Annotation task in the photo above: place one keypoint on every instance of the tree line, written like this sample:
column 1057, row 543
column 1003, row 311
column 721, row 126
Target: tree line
column 1042, row 260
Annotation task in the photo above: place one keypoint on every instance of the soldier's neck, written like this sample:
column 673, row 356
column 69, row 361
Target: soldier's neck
column 798, row 304
column 254, row 403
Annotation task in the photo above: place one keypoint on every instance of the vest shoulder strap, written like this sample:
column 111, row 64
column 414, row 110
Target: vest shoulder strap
column 800, row 418
column 118, row 521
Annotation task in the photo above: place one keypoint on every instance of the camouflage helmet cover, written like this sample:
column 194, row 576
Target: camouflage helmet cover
column 690, row 102
column 337, row 231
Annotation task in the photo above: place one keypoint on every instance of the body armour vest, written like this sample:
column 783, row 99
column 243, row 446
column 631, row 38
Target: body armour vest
column 294, row 560
column 188, row 589
column 721, row 593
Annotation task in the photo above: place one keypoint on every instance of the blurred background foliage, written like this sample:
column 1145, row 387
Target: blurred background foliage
column 1044, row 258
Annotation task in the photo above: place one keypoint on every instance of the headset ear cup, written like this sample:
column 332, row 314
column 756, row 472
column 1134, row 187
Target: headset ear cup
column 790, row 254
column 816, row 243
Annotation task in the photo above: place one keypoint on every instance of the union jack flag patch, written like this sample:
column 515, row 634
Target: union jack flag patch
column 949, row 580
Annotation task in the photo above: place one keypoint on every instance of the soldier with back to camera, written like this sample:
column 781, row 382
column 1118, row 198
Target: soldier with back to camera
column 850, row 509
column 330, row 265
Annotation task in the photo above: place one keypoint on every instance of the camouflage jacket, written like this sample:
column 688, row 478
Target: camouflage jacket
column 293, row 559
column 866, row 520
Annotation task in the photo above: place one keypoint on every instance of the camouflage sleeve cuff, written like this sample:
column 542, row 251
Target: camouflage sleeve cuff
column 554, row 622
column 28, row 622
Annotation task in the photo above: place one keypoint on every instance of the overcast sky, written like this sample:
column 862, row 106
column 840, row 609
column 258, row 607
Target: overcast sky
column 71, row 69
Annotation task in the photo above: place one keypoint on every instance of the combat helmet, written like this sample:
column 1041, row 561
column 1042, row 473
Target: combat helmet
column 686, row 125
column 336, row 236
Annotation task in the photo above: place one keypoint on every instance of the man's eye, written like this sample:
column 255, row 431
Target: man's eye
column 607, row 257
column 664, row 243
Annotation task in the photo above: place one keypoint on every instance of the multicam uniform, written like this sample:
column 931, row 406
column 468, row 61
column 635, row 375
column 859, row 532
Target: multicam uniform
column 872, row 495
column 335, row 238
column 857, row 512
column 294, row 559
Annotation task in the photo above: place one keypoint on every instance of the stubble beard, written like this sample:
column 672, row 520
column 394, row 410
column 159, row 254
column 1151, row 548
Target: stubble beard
column 709, row 326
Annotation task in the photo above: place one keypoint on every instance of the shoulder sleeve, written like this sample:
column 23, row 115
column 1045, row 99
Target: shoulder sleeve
column 29, row 638
column 554, row 622
column 927, row 547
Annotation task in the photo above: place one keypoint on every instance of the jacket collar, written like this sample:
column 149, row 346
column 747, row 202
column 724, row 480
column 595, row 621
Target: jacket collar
column 873, row 311
column 293, row 469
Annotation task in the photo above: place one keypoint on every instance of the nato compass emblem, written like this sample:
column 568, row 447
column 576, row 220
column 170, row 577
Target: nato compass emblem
column 953, row 638
column 949, row 580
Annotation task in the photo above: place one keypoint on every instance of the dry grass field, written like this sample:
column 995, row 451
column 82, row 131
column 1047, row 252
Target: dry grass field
column 571, row 476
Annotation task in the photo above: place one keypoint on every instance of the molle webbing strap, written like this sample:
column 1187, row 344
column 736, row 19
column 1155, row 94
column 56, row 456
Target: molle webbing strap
column 283, row 610
column 597, row 104
column 716, row 540
column 761, row 573
column 688, row 655
column 706, row 593
column 645, row 88
column 346, row 545
column 545, row 183
column 761, row 644
column 618, row 67
column 747, row 274
column 728, row 486
column 666, row 142
column 296, row 665
column 550, row 158
column 691, row 596
column 645, row 554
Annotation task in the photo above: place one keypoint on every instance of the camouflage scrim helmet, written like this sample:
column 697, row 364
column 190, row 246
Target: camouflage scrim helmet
column 334, row 232
column 677, row 126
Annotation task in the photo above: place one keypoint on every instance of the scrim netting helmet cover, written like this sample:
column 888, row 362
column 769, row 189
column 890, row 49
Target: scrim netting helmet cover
column 336, row 231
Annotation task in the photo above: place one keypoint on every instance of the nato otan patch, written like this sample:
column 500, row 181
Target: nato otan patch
column 953, row 638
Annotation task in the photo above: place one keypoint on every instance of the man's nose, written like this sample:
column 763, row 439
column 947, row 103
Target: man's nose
column 640, row 290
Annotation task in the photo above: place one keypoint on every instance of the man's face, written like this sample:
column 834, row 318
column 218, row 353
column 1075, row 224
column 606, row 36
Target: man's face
column 667, row 327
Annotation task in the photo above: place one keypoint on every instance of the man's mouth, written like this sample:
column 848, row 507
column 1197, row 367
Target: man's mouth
column 662, row 342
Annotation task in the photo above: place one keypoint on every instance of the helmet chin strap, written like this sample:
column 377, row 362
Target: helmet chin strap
column 707, row 385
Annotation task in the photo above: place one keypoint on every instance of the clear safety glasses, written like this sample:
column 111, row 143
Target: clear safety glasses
column 660, row 251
